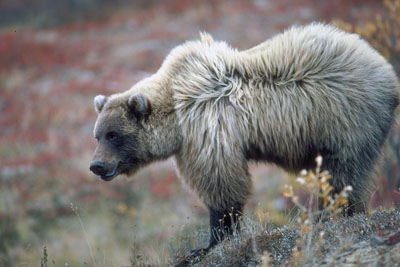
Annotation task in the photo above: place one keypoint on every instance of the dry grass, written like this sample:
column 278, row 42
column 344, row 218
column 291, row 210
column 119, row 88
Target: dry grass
column 310, row 241
column 360, row 239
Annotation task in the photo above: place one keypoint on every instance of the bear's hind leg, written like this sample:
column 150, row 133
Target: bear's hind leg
column 349, row 173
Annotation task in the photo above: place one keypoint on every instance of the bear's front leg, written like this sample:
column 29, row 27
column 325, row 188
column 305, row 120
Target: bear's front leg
column 222, row 225
column 223, row 186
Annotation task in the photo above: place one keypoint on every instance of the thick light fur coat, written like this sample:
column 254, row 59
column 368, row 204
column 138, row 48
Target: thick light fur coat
column 310, row 90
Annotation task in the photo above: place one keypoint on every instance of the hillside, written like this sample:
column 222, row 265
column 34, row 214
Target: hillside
column 361, row 240
column 55, row 56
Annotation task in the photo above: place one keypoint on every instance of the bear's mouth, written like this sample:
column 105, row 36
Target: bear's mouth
column 109, row 176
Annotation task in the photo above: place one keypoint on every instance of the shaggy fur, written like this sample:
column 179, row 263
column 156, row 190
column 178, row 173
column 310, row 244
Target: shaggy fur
column 310, row 90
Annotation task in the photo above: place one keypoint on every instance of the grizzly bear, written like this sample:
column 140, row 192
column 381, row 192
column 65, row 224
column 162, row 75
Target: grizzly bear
column 311, row 90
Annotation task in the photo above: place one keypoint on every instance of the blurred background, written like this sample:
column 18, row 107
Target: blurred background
column 55, row 56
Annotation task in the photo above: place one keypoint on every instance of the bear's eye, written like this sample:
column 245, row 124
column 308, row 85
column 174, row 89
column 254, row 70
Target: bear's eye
column 112, row 136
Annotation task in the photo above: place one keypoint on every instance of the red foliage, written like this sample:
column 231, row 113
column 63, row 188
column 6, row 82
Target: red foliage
column 48, row 77
column 165, row 186
column 14, row 47
column 393, row 239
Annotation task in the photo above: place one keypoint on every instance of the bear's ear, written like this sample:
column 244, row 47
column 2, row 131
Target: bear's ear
column 99, row 102
column 139, row 106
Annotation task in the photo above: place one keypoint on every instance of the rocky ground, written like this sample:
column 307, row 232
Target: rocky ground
column 361, row 240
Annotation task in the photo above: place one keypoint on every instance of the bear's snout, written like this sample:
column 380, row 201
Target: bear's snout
column 105, row 170
column 98, row 168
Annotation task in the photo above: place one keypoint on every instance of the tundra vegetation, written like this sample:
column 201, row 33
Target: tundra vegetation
column 47, row 71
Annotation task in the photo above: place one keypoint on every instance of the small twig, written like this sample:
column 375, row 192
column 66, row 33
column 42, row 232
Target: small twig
column 75, row 210
column 43, row 262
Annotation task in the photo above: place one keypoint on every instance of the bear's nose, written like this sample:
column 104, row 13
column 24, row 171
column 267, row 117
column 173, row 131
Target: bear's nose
column 98, row 168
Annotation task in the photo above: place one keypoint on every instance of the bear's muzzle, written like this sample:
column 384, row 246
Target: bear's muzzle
column 99, row 168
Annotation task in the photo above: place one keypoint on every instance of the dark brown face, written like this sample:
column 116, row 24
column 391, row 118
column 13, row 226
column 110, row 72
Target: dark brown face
column 121, row 140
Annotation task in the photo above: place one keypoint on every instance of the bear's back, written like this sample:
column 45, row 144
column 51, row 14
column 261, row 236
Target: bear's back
column 318, row 51
column 319, row 89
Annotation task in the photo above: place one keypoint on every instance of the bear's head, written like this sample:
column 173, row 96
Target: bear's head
column 151, row 120
column 121, row 134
